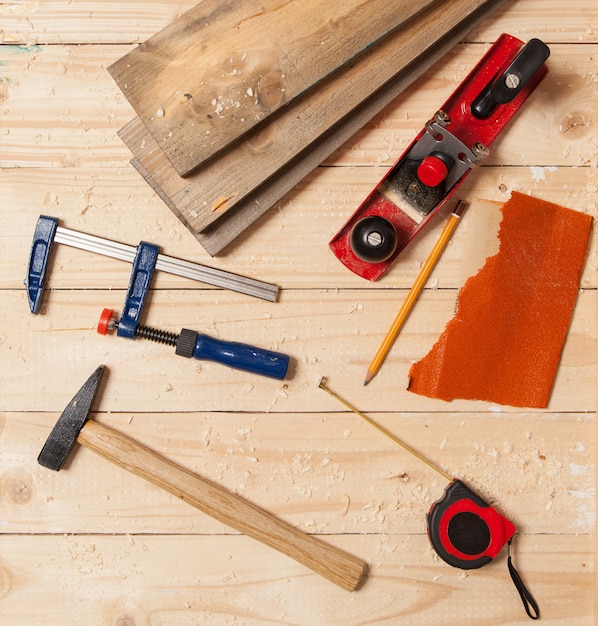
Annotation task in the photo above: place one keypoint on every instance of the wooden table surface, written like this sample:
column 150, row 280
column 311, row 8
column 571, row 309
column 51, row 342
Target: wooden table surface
column 93, row 544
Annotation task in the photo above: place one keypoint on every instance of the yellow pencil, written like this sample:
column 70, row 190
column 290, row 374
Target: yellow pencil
column 415, row 290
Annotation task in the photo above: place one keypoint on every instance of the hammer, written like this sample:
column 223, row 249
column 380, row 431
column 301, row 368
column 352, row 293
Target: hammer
column 341, row 568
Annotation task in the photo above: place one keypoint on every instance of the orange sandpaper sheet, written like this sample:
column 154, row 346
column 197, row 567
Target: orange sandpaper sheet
column 505, row 341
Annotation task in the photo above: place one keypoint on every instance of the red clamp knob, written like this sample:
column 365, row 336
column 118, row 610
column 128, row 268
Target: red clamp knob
column 432, row 171
column 106, row 322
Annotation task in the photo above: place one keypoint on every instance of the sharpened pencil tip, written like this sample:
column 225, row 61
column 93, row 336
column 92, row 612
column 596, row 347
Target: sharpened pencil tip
column 368, row 377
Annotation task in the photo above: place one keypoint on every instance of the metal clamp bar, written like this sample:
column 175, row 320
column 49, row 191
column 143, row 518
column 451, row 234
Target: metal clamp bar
column 172, row 265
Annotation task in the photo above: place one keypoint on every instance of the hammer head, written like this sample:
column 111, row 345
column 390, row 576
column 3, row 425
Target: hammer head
column 69, row 425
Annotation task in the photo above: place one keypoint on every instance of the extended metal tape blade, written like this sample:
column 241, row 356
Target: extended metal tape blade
column 69, row 425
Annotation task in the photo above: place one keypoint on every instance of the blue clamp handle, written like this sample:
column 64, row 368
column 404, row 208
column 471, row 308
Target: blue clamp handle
column 141, row 276
column 240, row 356
column 43, row 238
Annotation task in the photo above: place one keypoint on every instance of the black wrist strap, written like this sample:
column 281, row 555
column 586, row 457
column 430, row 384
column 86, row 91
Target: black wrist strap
column 529, row 604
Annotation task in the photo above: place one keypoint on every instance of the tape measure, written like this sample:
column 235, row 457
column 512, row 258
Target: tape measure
column 464, row 530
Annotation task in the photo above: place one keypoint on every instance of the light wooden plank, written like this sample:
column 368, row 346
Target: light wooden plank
column 62, row 109
column 327, row 332
column 140, row 557
column 187, row 580
column 274, row 249
column 28, row 22
column 206, row 195
column 324, row 472
column 219, row 70
column 548, row 18
column 112, row 21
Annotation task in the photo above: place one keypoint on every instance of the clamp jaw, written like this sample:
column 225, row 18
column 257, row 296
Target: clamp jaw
column 139, row 283
column 435, row 164
column 43, row 238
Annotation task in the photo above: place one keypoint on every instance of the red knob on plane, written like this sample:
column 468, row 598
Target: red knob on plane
column 432, row 171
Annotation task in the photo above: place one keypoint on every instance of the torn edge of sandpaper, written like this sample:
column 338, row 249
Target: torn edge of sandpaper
column 505, row 341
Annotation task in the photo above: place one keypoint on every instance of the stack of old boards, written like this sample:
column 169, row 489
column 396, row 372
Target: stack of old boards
column 237, row 101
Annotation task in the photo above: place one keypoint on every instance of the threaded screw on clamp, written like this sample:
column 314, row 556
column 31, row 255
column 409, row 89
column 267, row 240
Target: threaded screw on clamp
column 157, row 335
column 184, row 342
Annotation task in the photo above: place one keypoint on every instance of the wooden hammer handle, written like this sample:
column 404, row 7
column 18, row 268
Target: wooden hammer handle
column 338, row 566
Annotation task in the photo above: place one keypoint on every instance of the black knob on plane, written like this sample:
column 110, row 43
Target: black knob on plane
column 373, row 239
